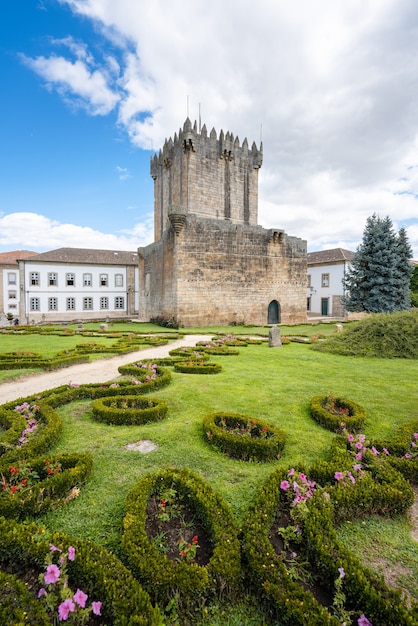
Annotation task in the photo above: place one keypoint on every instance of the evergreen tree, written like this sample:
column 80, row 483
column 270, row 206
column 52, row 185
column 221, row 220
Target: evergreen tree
column 379, row 276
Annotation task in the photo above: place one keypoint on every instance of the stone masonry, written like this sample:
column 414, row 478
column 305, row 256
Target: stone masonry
column 210, row 262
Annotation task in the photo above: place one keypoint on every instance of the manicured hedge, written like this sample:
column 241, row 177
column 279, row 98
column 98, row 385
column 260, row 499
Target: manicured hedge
column 131, row 410
column 94, row 570
column 49, row 491
column 186, row 367
column 337, row 423
column 163, row 578
column 366, row 593
column 262, row 442
column 17, row 605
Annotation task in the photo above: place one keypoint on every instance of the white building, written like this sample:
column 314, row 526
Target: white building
column 326, row 270
column 10, row 291
column 77, row 283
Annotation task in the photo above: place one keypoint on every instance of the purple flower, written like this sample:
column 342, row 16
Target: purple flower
column 415, row 435
column 358, row 456
column 96, row 606
column 65, row 608
column 350, row 438
column 41, row 592
column 341, row 572
column 358, row 445
column 338, row 475
column 363, row 621
column 52, row 574
column 386, row 451
column 284, row 485
column 375, row 451
column 80, row 598
column 54, row 548
column 71, row 553
column 408, row 456
column 357, row 467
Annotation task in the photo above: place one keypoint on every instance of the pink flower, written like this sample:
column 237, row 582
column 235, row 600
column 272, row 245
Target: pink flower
column 41, row 592
column 71, row 553
column 65, row 608
column 363, row 621
column 357, row 467
column 375, row 451
column 96, row 606
column 291, row 472
column 358, row 445
column 385, row 450
column 284, row 485
column 415, row 435
column 302, row 477
column 358, row 456
column 54, row 548
column 350, row 438
column 52, row 574
column 80, row 598
column 408, row 456
column 338, row 475
column 341, row 572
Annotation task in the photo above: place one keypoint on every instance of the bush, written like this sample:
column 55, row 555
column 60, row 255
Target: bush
column 100, row 574
column 165, row 579
column 187, row 367
column 337, row 422
column 130, row 410
column 243, row 437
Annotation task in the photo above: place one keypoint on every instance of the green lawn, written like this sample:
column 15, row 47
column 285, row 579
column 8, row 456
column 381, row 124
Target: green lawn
column 273, row 384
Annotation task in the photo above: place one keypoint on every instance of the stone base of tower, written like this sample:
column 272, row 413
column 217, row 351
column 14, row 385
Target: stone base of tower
column 213, row 272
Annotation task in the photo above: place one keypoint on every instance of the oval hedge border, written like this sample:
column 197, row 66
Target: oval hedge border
column 97, row 572
column 129, row 410
column 244, row 447
column 337, row 423
column 164, row 578
column 45, row 494
column 197, row 368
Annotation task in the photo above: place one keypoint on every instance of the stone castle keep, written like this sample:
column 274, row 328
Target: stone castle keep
column 211, row 263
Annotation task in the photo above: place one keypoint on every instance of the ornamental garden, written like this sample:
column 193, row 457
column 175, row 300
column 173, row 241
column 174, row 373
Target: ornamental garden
column 270, row 471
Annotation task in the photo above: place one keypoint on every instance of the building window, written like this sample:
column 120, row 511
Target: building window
column 104, row 303
column 88, row 304
column 87, row 280
column 325, row 280
column 118, row 280
column 309, row 281
column 119, row 302
column 52, row 304
column 52, row 279
column 35, row 304
column 12, row 306
column 11, row 278
column 70, row 304
column 70, row 280
column 34, row 279
column 12, row 295
column 104, row 280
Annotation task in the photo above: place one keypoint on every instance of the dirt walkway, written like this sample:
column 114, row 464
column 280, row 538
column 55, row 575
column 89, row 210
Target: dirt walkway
column 97, row 371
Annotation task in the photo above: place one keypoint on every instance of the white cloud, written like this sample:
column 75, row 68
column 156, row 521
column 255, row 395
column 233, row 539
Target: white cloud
column 334, row 85
column 31, row 231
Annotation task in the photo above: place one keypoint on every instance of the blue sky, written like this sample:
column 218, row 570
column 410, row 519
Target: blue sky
column 91, row 87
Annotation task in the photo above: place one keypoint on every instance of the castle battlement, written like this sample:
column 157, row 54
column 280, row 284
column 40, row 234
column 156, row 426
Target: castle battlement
column 206, row 175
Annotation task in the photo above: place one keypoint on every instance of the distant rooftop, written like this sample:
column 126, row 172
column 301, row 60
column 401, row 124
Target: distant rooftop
column 330, row 256
column 9, row 258
column 89, row 256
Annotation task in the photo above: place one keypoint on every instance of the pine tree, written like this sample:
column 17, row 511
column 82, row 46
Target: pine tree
column 379, row 277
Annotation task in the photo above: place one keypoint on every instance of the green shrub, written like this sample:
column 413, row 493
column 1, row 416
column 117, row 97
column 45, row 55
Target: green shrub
column 129, row 410
column 94, row 570
column 243, row 437
column 47, row 492
column 166, row 579
column 352, row 422
column 17, row 605
column 195, row 367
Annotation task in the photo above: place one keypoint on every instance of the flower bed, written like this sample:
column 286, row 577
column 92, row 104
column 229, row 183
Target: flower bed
column 129, row 410
column 287, row 597
column 35, row 486
column 93, row 570
column 165, row 578
column 243, row 437
column 337, row 414
column 197, row 367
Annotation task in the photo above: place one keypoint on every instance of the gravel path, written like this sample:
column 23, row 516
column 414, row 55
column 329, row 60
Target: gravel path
column 98, row 371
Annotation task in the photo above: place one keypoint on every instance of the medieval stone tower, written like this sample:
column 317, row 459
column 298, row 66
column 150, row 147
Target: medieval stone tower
column 211, row 263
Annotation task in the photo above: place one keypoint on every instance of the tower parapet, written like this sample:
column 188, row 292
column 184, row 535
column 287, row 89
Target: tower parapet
column 207, row 176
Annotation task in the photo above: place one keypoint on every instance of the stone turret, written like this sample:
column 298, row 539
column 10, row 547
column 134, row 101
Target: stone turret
column 206, row 176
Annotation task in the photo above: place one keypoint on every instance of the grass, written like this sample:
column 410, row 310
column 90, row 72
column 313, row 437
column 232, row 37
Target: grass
column 273, row 384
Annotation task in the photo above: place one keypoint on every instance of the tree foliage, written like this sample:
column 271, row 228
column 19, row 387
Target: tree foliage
column 378, row 280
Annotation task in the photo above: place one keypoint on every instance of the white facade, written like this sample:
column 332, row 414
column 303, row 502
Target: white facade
column 58, row 286
column 326, row 270
column 10, row 291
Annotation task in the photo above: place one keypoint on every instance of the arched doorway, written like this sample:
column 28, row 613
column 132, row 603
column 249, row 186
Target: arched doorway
column 273, row 314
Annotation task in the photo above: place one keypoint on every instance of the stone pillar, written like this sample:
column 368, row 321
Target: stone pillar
column 275, row 338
